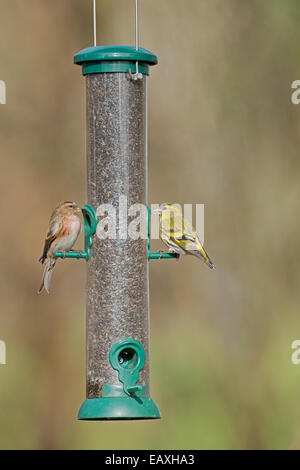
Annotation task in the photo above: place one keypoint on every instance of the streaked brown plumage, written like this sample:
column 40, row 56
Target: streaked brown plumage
column 64, row 228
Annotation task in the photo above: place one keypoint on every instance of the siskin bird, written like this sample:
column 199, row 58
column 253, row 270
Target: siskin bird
column 178, row 234
column 64, row 228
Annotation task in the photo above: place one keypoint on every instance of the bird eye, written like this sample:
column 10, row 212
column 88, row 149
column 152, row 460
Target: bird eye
column 71, row 206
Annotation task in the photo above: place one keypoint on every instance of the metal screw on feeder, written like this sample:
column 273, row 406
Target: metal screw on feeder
column 118, row 366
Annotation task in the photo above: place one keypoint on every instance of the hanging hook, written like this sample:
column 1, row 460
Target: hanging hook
column 136, row 75
column 95, row 23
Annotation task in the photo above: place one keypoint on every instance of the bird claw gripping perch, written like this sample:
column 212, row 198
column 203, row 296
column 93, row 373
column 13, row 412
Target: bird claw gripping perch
column 90, row 226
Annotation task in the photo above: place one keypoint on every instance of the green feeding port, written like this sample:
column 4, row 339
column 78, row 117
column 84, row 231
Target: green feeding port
column 127, row 357
column 90, row 226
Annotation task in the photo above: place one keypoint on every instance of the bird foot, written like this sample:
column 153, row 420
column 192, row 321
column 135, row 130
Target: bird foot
column 76, row 251
column 161, row 253
column 177, row 255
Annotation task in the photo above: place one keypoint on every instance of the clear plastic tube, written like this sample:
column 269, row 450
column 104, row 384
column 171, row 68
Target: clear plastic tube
column 117, row 272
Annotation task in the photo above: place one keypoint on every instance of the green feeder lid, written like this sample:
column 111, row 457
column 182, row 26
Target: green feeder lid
column 102, row 59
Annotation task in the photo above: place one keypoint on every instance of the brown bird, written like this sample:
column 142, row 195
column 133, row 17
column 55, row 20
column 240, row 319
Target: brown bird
column 64, row 228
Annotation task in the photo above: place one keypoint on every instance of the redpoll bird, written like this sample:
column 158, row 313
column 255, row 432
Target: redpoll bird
column 64, row 228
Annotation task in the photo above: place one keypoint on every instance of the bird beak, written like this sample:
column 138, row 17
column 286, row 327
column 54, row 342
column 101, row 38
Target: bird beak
column 78, row 209
column 156, row 212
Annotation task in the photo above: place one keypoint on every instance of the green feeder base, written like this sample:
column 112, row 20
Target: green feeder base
column 118, row 408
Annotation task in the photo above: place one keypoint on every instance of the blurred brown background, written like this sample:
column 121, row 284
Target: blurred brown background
column 223, row 132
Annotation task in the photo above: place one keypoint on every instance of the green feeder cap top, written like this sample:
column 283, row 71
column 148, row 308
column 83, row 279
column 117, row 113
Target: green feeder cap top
column 114, row 59
column 128, row 53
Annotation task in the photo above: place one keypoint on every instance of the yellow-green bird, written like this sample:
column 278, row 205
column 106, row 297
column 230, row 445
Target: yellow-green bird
column 178, row 234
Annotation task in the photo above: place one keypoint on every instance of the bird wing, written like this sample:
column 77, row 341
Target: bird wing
column 55, row 226
column 178, row 229
column 178, row 232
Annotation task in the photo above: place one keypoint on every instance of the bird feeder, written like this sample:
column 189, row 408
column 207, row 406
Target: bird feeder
column 117, row 308
column 117, row 323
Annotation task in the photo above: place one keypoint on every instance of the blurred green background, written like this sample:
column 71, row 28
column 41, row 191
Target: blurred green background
column 223, row 132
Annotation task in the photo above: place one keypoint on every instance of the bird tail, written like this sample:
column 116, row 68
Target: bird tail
column 204, row 256
column 46, row 280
